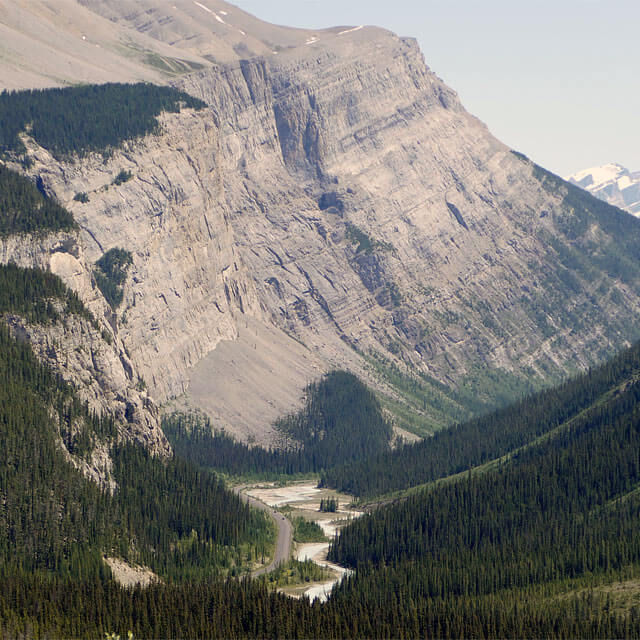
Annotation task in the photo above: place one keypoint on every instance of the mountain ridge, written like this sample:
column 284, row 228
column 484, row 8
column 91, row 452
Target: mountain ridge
column 612, row 183
column 338, row 199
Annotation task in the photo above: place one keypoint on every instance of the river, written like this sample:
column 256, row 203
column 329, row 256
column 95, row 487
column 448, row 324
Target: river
column 305, row 498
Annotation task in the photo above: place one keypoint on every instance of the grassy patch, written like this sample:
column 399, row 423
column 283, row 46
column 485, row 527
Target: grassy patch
column 365, row 244
column 295, row 573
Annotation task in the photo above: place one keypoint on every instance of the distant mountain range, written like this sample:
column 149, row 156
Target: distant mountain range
column 613, row 184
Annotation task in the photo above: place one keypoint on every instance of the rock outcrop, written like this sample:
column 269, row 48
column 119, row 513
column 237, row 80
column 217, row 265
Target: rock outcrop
column 92, row 358
column 338, row 194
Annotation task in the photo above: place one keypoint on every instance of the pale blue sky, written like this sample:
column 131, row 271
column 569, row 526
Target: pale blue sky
column 558, row 80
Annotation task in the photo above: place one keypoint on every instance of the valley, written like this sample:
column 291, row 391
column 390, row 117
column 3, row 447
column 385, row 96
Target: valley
column 303, row 501
column 292, row 346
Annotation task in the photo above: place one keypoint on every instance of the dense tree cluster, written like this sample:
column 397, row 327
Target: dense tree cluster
column 24, row 209
column 111, row 274
column 42, row 605
column 341, row 421
column 307, row 530
column 192, row 437
column 482, row 439
column 78, row 120
column 38, row 296
column 329, row 505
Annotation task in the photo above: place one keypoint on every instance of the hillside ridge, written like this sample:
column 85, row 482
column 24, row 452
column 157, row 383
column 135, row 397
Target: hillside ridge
column 336, row 201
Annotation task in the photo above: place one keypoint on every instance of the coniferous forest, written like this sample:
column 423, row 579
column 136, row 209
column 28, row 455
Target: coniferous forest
column 338, row 408
column 519, row 523
column 166, row 514
column 23, row 209
column 73, row 121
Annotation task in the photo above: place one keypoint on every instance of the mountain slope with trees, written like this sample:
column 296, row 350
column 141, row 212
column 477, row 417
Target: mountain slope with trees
column 484, row 439
column 57, row 118
column 341, row 423
column 162, row 513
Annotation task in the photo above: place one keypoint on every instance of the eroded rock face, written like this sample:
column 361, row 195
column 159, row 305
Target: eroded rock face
column 343, row 195
column 93, row 359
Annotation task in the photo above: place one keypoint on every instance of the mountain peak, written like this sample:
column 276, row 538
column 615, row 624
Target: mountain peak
column 60, row 42
column 612, row 183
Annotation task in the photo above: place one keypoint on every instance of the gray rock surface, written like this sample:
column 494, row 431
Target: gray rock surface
column 101, row 372
column 335, row 194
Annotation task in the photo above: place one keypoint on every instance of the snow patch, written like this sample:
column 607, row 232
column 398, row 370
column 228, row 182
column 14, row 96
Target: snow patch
column 202, row 6
column 600, row 175
column 312, row 40
column 624, row 182
column 351, row 30
column 242, row 32
column 213, row 13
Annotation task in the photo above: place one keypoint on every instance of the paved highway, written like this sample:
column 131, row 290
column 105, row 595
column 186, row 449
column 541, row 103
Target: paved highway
column 285, row 533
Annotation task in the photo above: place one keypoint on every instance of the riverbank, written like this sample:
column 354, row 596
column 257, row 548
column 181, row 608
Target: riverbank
column 304, row 499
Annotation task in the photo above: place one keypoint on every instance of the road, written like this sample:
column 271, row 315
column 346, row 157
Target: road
column 285, row 533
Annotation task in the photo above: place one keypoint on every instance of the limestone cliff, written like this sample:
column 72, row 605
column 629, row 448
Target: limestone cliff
column 337, row 202
column 92, row 358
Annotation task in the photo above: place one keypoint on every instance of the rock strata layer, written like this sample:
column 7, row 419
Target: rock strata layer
column 337, row 195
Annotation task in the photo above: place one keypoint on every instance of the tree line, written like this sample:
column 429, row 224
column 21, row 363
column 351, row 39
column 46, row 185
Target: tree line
column 74, row 121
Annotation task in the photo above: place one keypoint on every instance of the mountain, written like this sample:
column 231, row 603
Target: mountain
column 613, row 184
column 500, row 549
column 280, row 217
column 332, row 206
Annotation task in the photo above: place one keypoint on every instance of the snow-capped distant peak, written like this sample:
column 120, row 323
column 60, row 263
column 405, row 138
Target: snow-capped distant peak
column 612, row 183
column 598, row 175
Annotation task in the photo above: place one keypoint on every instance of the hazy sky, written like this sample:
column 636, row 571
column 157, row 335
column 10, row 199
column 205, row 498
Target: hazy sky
column 558, row 80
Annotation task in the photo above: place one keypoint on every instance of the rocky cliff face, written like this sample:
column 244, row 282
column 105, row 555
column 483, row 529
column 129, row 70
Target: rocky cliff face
column 338, row 199
column 93, row 359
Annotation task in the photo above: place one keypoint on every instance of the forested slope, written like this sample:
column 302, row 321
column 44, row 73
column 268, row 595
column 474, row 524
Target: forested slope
column 341, row 422
column 165, row 514
column 57, row 118
column 557, row 518
column 484, row 439
column 23, row 209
